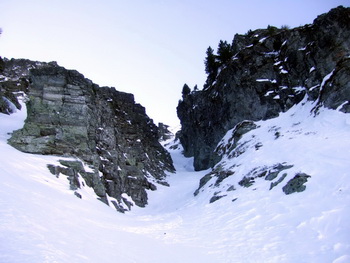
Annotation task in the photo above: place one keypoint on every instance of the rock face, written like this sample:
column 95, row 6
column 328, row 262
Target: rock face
column 296, row 184
column 13, row 82
column 271, row 70
column 68, row 115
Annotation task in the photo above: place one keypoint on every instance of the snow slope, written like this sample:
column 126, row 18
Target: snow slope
column 41, row 220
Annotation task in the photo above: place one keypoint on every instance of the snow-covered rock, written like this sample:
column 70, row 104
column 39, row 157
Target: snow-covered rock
column 68, row 115
column 311, row 59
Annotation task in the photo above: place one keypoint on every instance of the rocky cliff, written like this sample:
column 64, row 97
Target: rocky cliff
column 270, row 71
column 68, row 115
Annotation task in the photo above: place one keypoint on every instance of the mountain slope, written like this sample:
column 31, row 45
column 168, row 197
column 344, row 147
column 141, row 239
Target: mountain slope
column 256, row 210
column 68, row 115
column 278, row 189
column 43, row 221
column 268, row 72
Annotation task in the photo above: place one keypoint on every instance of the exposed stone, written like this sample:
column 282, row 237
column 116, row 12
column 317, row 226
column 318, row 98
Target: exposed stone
column 203, row 181
column 247, row 181
column 68, row 115
column 77, row 194
column 231, row 188
column 12, row 84
column 272, row 70
column 239, row 130
column 278, row 181
column 296, row 184
column 74, row 169
column 336, row 92
column 220, row 173
column 273, row 173
column 215, row 198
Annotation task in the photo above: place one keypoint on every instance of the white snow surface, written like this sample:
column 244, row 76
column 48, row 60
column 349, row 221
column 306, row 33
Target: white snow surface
column 41, row 220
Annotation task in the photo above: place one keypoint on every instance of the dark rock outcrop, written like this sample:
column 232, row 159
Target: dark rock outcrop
column 13, row 83
column 296, row 184
column 335, row 92
column 68, row 115
column 272, row 70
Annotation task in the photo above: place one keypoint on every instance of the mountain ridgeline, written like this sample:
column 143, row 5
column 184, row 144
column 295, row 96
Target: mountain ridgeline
column 263, row 73
column 104, row 129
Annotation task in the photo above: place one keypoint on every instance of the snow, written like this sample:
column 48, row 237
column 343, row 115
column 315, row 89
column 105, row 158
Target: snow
column 271, row 54
column 325, row 79
column 269, row 93
column 312, row 223
column 262, row 80
column 299, row 89
column 266, row 80
column 314, row 87
column 262, row 40
column 128, row 198
column 41, row 220
column 341, row 105
column 3, row 78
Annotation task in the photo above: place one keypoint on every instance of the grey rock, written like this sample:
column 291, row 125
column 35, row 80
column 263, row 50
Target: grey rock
column 77, row 194
column 68, row 115
column 203, row 181
column 273, row 173
column 219, row 174
column 280, row 180
column 215, row 198
column 222, row 175
column 231, row 188
column 336, row 91
column 272, row 70
column 239, row 130
column 247, row 181
column 296, row 184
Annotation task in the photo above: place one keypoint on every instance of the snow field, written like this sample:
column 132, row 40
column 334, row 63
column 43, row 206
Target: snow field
column 41, row 220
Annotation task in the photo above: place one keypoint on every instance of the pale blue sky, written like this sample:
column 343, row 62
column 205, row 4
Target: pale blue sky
column 148, row 48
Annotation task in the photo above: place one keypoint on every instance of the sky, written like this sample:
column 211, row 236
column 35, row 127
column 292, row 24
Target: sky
column 148, row 48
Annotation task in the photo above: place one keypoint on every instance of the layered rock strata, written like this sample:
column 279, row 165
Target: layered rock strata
column 68, row 115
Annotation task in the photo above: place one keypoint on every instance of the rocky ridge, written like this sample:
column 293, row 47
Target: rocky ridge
column 104, row 129
column 271, row 70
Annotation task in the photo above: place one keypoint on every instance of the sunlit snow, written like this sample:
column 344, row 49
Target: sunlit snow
column 41, row 220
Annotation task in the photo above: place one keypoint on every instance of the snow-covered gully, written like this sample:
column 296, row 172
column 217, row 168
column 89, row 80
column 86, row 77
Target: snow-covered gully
column 41, row 220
